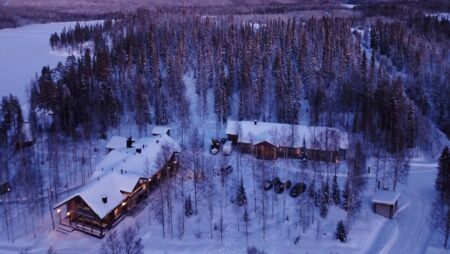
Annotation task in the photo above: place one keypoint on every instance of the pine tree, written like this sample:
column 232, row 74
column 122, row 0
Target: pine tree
column 241, row 197
column 345, row 195
column 336, row 193
column 324, row 200
column 442, row 183
column 441, row 206
column 188, row 211
column 341, row 232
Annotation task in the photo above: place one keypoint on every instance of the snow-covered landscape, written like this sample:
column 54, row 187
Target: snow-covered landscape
column 17, row 45
column 220, row 131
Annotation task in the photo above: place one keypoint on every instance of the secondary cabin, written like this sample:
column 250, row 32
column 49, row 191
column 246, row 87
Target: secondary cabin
column 385, row 203
column 122, row 180
column 272, row 140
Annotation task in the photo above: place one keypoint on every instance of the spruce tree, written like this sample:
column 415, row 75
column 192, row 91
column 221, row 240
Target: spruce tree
column 441, row 207
column 341, row 232
column 324, row 200
column 442, row 183
column 336, row 192
column 188, row 207
column 241, row 197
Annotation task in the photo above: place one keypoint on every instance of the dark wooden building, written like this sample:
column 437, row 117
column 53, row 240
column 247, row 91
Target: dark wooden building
column 385, row 203
column 274, row 140
column 123, row 181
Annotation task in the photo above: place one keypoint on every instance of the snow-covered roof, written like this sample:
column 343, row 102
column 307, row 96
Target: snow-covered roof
column 279, row 134
column 120, row 170
column 160, row 130
column 111, row 185
column 385, row 197
column 116, row 142
column 144, row 163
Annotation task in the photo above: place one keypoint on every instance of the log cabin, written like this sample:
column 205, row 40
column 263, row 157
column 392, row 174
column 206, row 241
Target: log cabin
column 121, row 181
column 276, row 140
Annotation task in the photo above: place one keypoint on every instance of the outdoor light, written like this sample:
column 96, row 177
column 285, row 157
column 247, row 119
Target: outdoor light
column 68, row 213
column 124, row 203
column 58, row 211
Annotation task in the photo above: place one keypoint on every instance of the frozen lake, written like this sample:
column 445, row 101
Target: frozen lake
column 23, row 53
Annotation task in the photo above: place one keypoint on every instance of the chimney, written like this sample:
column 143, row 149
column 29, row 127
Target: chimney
column 105, row 199
column 256, row 122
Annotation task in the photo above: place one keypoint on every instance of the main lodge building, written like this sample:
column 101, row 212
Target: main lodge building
column 121, row 181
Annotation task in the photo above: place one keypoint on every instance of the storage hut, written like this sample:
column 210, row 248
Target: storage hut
column 161, row 130
column 385, row 203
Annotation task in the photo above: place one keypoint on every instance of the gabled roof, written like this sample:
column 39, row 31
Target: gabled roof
column 120, row 171
column 144, row 163
column 111, row 185
column 160, row 130
column 279, row 134
column 385, row 197
column 116, row 142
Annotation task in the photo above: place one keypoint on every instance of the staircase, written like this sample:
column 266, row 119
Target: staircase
column 64, row 229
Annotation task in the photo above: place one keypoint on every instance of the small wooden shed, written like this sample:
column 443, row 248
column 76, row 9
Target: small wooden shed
column 385, row 203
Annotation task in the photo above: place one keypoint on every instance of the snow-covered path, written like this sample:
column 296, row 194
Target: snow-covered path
column 408, row 232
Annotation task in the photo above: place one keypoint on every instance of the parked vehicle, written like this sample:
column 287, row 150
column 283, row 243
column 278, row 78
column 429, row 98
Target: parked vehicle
column 214, row 151
column 288, row 184
column 279, row 188
column 297, row 189
column 226, row 171
column 227, row 148
column 215, row 146
column 268, row 185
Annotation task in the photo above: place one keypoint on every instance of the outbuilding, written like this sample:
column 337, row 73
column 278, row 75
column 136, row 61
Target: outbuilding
column 161, row 130
column 272, row 140
column 385, row 203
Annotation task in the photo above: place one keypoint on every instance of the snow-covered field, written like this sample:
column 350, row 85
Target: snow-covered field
column 23, row 53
